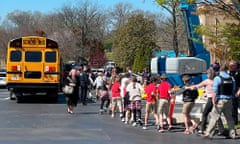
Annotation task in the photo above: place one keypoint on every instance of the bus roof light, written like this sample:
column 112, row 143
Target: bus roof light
column 16, row 43
column 51, row 44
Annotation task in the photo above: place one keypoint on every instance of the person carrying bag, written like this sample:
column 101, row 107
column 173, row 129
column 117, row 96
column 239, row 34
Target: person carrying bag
column 71, row 89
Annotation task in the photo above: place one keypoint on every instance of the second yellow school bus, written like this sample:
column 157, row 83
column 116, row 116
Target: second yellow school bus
column 33, row 66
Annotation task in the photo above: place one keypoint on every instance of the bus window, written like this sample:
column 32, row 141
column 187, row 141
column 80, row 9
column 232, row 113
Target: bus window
column 50, row 57
column 31, row 56
column 15, row 56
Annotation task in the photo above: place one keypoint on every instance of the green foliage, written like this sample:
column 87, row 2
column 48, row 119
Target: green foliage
column 161, row 2
column 191, row 1
column 164, row 2
column 232, row 33
column 202, row 30
column 108, row 45
column 109, row 55
column 142, row 59
column 227, row 39
column 137, row 34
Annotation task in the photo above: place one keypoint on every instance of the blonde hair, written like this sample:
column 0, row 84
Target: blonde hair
column 73, row 74
column 211, row 73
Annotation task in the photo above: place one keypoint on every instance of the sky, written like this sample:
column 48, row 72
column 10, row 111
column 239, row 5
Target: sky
column 49, row 6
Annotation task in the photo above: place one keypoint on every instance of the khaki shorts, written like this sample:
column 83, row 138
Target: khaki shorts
column 163, row 106
column 117, row 101
column 187, row 107
column 151, row 107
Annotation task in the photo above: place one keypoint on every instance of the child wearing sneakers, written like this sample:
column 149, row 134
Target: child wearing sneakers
column 127, row 110
column 164, row 102
column 151, row 101
column 104, row 97
column 124, row 83
column 135, row 90
column 189, row 97
column 116, row 98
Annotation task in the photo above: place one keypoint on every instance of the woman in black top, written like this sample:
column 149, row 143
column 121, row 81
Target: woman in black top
column 72, row 99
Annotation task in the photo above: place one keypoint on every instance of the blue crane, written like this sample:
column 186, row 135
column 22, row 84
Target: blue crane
column 194, row 64
column 191, row 20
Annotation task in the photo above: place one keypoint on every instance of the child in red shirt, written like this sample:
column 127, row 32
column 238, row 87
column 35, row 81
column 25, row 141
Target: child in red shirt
column 151, row 101
column 116, row 98
column 164, row 102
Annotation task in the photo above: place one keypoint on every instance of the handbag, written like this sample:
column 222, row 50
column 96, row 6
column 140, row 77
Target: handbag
column 67, row 89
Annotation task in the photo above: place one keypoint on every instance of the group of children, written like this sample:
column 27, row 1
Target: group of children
column 122, row 94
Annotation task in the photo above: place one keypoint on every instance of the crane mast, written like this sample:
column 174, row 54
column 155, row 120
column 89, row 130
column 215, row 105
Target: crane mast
column 191, row 19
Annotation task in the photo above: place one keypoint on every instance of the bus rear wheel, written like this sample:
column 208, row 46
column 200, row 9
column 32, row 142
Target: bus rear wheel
column 19, row 97
column 12, row 95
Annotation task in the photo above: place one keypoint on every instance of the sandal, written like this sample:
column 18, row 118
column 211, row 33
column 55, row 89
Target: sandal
column 70, row 111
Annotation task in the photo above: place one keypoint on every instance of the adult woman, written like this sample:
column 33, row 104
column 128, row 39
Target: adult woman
column 208, row 85
column 72, row 99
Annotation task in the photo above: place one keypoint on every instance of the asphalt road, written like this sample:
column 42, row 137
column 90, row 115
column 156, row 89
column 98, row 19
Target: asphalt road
column 37, row 121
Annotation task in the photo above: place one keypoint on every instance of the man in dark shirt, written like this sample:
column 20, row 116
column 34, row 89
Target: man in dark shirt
column 84, row 82
column 233, row 71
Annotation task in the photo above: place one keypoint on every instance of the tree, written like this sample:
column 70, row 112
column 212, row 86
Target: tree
column 24, row 22
column 172, row 7
column 98, row 58
column 142, row 59
column 229, row 7
column 136, row 38
column 116, row 18
column 120, row 14
column 223, row 34
column 165, row 34
column 232, row 32
column 86, row 22
column 3, row 44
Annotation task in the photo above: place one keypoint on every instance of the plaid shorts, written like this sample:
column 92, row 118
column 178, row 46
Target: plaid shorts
column 136, row 105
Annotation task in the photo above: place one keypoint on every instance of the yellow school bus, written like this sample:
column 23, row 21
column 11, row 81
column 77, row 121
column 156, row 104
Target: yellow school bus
column 33, row 67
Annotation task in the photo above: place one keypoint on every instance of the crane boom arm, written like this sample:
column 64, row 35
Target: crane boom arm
column 191, row 19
